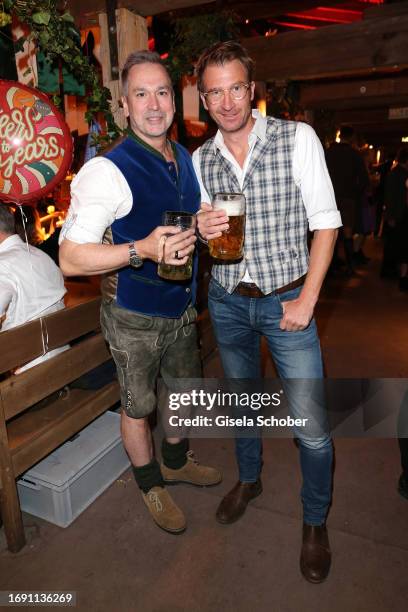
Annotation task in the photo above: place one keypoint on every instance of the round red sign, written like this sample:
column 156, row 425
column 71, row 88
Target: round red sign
column 35, row 144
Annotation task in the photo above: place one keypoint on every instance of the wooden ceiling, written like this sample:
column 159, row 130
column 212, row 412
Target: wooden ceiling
column 249, row 9
column 349, row 57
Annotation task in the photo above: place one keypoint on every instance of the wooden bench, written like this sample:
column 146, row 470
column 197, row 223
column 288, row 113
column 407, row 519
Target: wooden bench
column 31, row 428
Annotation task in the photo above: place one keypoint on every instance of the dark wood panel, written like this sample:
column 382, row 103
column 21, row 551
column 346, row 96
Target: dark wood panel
column 361, row 47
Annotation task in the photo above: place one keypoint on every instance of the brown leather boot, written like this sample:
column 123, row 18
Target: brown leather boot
column 234, row 504
column 315, row 557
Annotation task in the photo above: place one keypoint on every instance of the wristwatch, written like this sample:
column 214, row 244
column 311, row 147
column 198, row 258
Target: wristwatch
column 134, row 259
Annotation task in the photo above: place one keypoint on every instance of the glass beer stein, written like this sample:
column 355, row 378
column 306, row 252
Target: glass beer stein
column 184, row 220
column 231, row 244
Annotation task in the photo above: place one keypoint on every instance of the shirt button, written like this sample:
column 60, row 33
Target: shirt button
column 188, row 290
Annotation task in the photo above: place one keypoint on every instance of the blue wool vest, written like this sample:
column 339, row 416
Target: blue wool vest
column 155, row 187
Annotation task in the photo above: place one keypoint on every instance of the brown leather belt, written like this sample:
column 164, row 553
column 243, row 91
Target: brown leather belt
column 251, row 290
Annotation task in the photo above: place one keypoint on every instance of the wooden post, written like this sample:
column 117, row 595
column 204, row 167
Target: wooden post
column 9, row 503
column 131, row 33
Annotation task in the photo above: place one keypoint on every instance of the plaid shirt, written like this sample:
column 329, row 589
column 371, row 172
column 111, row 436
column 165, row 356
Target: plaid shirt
column 276, row 250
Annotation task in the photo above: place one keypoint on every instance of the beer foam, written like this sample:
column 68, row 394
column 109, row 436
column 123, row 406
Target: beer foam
column 233, row 209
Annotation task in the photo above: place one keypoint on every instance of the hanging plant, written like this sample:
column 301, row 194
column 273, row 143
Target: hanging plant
column 5, row 18
column 194, row 34
column 54, row 31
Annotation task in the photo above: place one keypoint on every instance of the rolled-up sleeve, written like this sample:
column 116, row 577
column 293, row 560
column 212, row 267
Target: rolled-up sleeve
column 311, row 175
column 99, row 195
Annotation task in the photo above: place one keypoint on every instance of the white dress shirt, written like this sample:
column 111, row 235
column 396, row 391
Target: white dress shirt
column 31, row 286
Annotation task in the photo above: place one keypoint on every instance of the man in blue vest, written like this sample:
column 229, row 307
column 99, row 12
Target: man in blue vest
column 279, row 166
column 114, row 228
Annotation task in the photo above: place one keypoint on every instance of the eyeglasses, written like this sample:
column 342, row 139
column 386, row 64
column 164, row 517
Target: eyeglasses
column 237, row 92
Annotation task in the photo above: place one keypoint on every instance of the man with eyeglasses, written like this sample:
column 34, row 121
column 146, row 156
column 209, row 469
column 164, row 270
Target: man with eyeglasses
column 279, row 166
column 114, row 227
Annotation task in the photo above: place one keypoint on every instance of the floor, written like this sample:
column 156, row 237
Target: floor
column 115, row 558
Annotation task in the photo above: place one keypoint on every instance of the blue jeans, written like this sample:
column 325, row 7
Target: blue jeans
column 238, row 323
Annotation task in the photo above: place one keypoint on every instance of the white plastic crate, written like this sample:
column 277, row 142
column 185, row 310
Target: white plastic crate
column 62, row 485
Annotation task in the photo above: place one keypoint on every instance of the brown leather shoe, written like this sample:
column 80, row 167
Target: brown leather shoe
column 315, row 557
column 234, row 504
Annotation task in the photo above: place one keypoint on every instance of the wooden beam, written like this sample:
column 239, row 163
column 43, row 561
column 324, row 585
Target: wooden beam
column 247, row 9
column 362, row 47
column 386, row 10
column 265, row 10
column 355, row 94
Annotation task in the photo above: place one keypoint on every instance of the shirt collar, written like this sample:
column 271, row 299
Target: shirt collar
column 10, row 241
column 258, row 131
column 148, row 147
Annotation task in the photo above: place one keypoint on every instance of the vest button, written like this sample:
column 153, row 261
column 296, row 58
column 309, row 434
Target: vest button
column 188, row 290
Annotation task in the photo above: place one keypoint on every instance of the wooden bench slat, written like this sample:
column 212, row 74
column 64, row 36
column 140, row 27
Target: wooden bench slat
column 20, row 345
column 22, row 390
column 29, row 428
column 33, row 436
column 70, row 323
column 25, row 342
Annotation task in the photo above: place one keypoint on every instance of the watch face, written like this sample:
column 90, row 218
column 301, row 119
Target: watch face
column 134, row 259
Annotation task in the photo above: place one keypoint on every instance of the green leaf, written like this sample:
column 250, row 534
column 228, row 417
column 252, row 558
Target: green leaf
column 43, row 38
column 67, row 17
column 41, row 18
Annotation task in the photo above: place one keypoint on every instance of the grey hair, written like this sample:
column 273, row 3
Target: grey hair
column 7, row 225
column 136, row 58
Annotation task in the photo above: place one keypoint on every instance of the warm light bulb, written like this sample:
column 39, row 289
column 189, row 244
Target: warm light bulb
column 261, row 105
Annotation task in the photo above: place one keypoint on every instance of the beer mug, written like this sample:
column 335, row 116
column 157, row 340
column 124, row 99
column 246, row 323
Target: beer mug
column 184, row 220
column 230, row 244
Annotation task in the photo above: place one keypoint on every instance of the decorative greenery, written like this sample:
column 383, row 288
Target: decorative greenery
column 191, row 36
column 52, row 27
column 194, row 34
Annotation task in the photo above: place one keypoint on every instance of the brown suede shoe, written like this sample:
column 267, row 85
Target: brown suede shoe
column 234, row 504
column 164, row 511
column 192, row 473
column 315, row 557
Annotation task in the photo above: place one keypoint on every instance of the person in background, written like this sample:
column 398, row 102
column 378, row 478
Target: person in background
column 31, row 285
column 350, row 180
column 396, row 202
